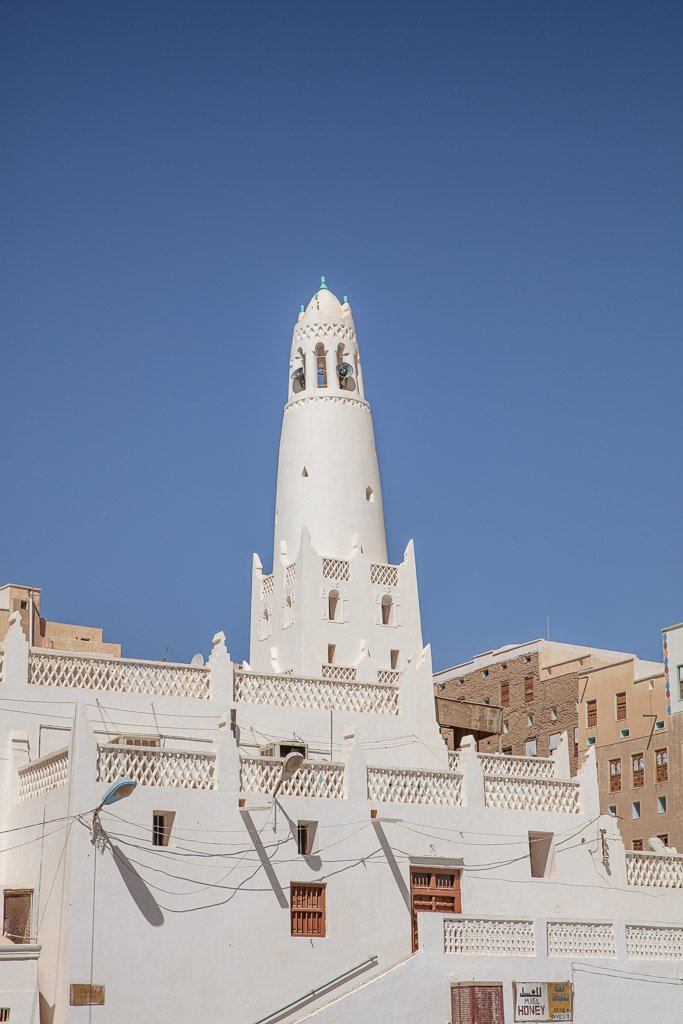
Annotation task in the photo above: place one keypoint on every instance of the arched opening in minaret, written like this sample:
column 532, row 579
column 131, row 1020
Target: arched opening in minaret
column 387, row 610
column 265, row 623
column 304, row 472
column 321, row 365
column 334, row 606
column 288, row 612
column 369, row 494
column 344, row 370
column 299, row 373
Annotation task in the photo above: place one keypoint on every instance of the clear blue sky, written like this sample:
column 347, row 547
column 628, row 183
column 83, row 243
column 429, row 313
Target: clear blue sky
column 498, row 189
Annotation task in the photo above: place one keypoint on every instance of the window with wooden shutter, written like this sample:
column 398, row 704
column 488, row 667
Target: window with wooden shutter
column 638, row 770
column 591, row 713
column 637, row 844
column 17, row 914
column 662, row 765
column 615, row 775
column 505, row 693
column 621, row 707
column 307, row 907
column 433, row 889
column 477, row 1003
column 528, row 689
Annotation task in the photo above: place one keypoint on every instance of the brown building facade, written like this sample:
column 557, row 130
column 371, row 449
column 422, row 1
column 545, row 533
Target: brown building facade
column 41, row 632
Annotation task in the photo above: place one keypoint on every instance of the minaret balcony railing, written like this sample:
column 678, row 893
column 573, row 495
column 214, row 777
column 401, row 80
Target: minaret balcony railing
column 313, row 779
column 120, row 675
column 336, row 569
column 267, row 585
column 289, row 691
column 388, row 676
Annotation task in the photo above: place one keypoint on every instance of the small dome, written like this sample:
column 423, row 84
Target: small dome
column 324, row 305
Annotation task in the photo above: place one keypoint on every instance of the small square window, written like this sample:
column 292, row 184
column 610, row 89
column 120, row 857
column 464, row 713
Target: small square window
column 659, row 725
column 506, row 727
column 553, row 714
column 487, row 700
column 624, row 733
column 529, row 719
column 530, row 747
column 507, row 750
column 527, row 659
column 162, row 826
column 485, row 673
column 637, row 844
column 661, row 805
column 635, row 809
column 590, row 740
column 612, row 810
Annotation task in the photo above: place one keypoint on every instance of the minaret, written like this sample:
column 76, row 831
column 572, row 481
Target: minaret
column 328, row 478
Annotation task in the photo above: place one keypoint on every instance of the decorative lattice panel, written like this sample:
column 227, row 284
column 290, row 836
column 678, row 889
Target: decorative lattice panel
column 336, row 569
column 323, row 694
column 263, row 775
column 153, row 766
column 385, row 575
column 532, row 795
column 49, row 772
column 388, row 677
column 290, row 575
column 119, row 674
column 267, row 585
column 488, row 936
column 411, row 786
column 515, row 767
column 660, row 870
column 308, row 335
column 453, row 760
column 340, row 672
column 654, row 942
column 581, row 938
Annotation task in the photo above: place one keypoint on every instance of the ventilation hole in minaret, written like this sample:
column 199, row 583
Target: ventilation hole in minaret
column 369, row 494
column 304, row 472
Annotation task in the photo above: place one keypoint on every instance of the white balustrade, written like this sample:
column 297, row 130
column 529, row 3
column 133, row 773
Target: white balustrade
column 120, row 675
column 657, row 870
column 156, row 766
column 552, row 795
column 413, row 786
column 48, row 772
column 341, row 673
column 453, row 760
column 336, row 569
column 487, row 936
column 312, row 779
column 593, row 939
column 388, row 677
column 385, row 575
column 289, row 691
column 654, row 942
column 513, row 766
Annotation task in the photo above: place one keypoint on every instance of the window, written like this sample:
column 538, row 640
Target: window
column 4, row 1013
column 334, row 606
column 387, row 610
column 540, row 854
column 288, row 612
column 527, row 659
column 162, row 825
column 612, row 809
column 664, row 838
column 321, row 365
column 576, row 742
column 369, row 494
column 553, row 714
column 638, row 770
column 393, row 660
column 528, row 688
column 529, row 719
column 590, row 740
column 661, row 805
column 615, row 775
column 485, row 673
column 331, row 648
column 591, row 713
column 487, row 700
column 16, row 919
column 530, row 747
column 624, row 733
column 554, row 741
column 506, row 726
column 662, row 765
column 507, row 750
column 304, row 472
column 635, row 809
column 433, row 889
column 659, row 724
column 505, row 693
column 471, row 1003
column 307, row 910
column 305, row 837
column 621, row 707
column 680, row 682
column 637, row 844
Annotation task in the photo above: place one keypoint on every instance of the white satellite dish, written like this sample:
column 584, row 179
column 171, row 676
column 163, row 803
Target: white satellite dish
column 197, row 660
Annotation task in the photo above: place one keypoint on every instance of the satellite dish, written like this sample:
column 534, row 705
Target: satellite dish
column 298, row 374
column 345, row 370
column 197, row 660
column 292, row 763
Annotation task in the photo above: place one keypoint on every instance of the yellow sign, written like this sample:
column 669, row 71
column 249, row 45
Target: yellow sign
column 560, row 1000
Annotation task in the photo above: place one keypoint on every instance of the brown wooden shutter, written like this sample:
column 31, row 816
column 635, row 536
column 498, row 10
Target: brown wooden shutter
column 528, row 689
column 638, row 768
column 477, row 1004
column 621, row 707
column 591, row 713
column 308, row 910
column 433, row 889
column 615, row 775
column 17, row 915
column 662, row 765
column 505, row 693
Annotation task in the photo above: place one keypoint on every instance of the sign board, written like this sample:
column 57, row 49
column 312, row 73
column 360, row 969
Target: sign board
column 474, row 1003
column 543, row 1001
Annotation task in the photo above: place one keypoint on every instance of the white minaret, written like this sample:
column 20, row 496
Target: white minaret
column 328, row 479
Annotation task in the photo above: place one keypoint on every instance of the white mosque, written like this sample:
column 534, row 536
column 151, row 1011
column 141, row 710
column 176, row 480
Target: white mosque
column 289, row 838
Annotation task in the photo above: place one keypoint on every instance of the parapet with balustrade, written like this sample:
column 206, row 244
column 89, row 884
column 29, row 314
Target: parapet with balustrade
column 313, row 779
column 654, row 870
column 157, row 766
column 46, row 773
column 118, row 675
column 329, row 694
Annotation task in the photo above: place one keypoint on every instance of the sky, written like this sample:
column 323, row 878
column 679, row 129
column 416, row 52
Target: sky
column 497, row 188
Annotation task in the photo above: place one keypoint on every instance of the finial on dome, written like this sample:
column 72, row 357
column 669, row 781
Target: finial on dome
column 346, row 300
column 323, row 286
column 303, row 308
